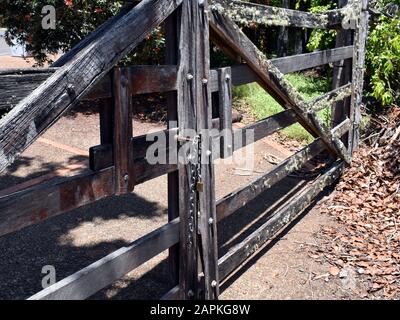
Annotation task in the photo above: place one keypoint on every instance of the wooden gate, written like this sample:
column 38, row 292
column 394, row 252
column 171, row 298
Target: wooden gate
column 119, row 163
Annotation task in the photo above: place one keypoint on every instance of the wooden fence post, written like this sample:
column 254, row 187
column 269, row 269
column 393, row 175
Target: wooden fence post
column 198, row 245
column 342, row 71
column 172, row 42
column 358, row 73
column 225, row 111
column 122, row 146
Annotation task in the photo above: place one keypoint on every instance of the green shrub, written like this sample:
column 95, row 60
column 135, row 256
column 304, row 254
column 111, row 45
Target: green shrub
column 383, row 60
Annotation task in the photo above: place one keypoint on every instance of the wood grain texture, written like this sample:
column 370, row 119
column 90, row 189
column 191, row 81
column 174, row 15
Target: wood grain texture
column 358, row 73
column 237, row 199
column 18, row 84
column 100, row 274
column 273, row 81
column 330, row 98
column 123, row 132
column 281, row 218
column 225, row 112
column 187, row 113
column 242, row 11
column 36, row 113
column 311, row 60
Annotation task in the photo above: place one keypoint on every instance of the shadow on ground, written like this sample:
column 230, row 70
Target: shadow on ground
column 24, row 253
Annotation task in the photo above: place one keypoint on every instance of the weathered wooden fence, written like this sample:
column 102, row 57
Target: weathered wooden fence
column 40, row 97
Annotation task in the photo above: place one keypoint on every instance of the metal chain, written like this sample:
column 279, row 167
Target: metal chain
column 195, row 177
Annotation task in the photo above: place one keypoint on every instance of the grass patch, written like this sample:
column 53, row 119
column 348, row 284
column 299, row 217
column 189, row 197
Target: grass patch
column 262, row 105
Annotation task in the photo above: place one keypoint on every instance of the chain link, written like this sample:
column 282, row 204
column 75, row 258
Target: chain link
column 195, row 178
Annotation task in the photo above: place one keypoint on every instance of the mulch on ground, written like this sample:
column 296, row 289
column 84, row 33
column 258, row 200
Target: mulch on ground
column 366, row 205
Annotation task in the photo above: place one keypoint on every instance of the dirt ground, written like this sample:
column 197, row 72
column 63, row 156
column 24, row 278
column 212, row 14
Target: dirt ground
column 281, row 270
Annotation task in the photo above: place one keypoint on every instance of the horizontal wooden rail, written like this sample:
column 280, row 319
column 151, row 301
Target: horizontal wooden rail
column 40, row 202
column 237, row 199
column 88, row 281
column 243, row 12
column 305, row 61
column 241, row 252
column 328, row 99
column 60, row 195
column 343, row 128
column 272, row 80
column 16, row 84
column 37, row 112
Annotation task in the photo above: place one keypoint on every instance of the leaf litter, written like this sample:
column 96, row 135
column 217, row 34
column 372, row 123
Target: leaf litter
column 366, row 205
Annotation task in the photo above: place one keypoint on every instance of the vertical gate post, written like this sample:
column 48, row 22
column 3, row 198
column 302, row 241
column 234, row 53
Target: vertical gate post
column 198, row 245
column 122, row 146
column 225, row 111
column 358, row 73
column 172, row 41
column 341, row 74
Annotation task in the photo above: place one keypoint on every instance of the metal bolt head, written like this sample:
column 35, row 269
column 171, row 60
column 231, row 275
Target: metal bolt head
column 208, row 153
column 190, row 293
column 228, row 77
column 205, row 81
column 126, row 178
column 71, row 89
column 210, row 221
column 189, row 76
column 214, row 284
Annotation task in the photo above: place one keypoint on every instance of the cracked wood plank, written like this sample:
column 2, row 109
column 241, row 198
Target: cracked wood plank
column 273, row 81
column 36, row 113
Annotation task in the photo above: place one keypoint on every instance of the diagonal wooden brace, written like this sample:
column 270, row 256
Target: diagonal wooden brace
column 272, row 80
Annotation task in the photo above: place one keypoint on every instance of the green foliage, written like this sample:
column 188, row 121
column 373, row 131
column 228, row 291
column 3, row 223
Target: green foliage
column 321, row 39
column 383, row 60
column 75, row 20
column 262, row 105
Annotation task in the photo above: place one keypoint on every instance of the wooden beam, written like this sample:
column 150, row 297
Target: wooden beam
column 225, row 112
column 43, row 201
column 305, row 61
column 328, row 99
column 207, row 220
column 265, row 127
column 36, row 113
column 122, row 144
column 15, row 85
column 273, row 81
column 100, row 274
column 287, row 213
column 342, row 129
column 358, row 73
column 172, row 294
column 172, row 42
column 237, row 199
column 46, row 200
column 187, row 109
column 246, row 12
